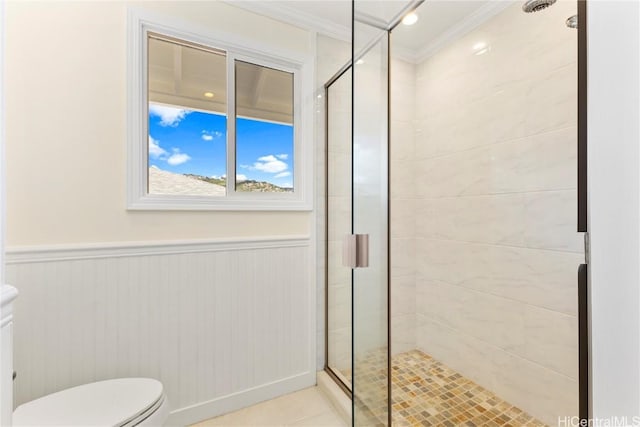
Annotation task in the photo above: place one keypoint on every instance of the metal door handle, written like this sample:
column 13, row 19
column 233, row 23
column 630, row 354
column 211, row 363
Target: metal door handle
column 355, row 251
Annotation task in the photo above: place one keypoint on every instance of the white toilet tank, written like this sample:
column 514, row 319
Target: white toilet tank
column 7, row 295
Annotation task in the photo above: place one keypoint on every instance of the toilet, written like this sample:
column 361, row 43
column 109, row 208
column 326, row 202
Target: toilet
column 116, row 402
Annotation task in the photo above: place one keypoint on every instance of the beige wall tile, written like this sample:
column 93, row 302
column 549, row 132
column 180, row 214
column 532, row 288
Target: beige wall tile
column 402, row 257
column 496, row 219
column 551, row 221
column 551, row 340
column 404, row 333
column 538, row 277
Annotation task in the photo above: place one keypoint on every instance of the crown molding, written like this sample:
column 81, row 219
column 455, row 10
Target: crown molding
column 294, row 17
column 404, row 54
column 472, row 21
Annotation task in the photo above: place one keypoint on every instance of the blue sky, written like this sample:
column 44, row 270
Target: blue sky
column 185, row 141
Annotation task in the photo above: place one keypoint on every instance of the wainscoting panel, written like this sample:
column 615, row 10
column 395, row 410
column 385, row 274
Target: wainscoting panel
column 221, row 324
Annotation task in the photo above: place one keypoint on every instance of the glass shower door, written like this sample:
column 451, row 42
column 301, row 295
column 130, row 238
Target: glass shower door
column 370, row 203
column 358, row 211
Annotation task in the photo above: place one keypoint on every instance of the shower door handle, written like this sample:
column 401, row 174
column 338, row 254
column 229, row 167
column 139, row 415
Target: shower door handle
column 355, row 251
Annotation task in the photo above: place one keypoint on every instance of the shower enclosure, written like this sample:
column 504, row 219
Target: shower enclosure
column 451, row 191
column 358, row 215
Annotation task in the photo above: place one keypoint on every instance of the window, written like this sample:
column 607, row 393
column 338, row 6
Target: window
column 213, row 124
column 187, row 118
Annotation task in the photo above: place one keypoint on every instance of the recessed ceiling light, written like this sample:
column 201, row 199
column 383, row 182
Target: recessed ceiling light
column 360, row 61
column 481, row 48
column 208, row 94
column 410, row 18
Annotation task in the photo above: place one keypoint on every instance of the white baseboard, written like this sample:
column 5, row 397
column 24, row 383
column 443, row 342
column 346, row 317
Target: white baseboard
column 233, row 402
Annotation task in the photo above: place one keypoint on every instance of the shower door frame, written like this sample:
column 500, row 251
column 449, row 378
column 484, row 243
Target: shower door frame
column 336, row 378
column 584, row 331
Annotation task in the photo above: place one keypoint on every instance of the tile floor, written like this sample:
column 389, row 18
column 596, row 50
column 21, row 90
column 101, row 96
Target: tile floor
column 308, row 407
column 426, row 392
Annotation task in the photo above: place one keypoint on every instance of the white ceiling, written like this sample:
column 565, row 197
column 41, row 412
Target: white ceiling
column 440, row 21
column 435, row 19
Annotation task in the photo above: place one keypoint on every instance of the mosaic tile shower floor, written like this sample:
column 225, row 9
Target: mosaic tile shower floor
column 427, row 393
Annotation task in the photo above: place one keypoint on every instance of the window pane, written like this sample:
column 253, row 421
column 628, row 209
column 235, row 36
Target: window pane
column 187, row 119
column 264, row 129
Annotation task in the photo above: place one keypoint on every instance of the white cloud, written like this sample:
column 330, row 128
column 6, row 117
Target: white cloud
column 211, row 135
column 178, row 158
column 169, row 116
column 155, row 150
column 240, row 177
column 282, row 156
column 270, row 164
column 283, row 174
column 245, row 166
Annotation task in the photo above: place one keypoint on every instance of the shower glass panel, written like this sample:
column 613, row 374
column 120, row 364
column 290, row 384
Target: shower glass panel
column 338, row 184
column 370, row 72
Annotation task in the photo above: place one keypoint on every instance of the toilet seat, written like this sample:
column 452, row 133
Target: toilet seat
column 120, row 402
column 155, row 413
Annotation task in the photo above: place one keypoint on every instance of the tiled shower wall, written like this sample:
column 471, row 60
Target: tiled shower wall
column 403, row 203
column 495, row 203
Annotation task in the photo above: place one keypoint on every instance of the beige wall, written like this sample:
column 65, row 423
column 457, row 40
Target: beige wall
column 66, row 125
column 496, row 242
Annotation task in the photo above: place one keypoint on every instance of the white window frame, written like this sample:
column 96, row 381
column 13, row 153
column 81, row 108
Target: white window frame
column 140, row 23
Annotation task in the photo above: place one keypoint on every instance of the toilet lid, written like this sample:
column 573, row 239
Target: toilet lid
column 103, row 403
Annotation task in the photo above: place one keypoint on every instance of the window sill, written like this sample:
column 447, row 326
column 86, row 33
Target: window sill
column 252, row 202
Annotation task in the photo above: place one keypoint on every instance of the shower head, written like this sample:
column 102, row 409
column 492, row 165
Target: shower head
column 536, row 5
